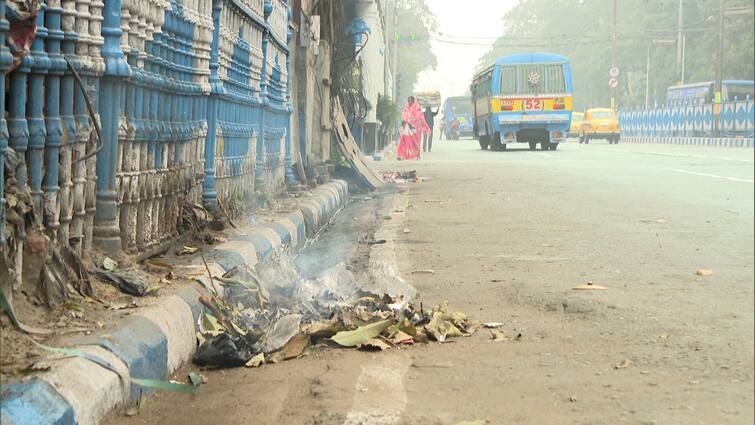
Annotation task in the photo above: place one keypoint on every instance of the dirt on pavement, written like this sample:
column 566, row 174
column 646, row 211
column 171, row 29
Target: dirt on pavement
column 661, row 345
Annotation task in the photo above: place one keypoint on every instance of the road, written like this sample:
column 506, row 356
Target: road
column 508, row 235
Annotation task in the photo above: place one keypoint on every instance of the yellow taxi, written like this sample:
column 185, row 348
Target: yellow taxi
column 600, row 123
column 576, row 123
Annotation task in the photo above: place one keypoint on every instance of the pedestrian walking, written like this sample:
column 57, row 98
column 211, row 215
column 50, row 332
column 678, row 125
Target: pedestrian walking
column 427, row 139
column 412, row 127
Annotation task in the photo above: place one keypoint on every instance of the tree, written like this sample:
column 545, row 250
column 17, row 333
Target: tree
column 582, row 31
column 416, row 23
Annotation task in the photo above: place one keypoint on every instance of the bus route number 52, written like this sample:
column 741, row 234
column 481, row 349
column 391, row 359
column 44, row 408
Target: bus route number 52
column 533, row 105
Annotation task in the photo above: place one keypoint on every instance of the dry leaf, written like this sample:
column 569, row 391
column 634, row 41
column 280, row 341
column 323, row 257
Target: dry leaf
column 375, row 344
column 109, row 264
column 498, row 336
column 256, row 361
column 704, row 272
column 589, row 286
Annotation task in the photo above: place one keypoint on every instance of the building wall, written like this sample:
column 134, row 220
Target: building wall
column 373, row 55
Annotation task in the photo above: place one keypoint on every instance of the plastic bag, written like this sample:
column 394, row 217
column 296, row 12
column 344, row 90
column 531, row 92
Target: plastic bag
column 223, row 350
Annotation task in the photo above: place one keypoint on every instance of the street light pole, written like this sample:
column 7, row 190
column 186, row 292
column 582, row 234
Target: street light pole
column 719, row 66
column 647, row 78
column 684, row 55
column 680, row 43
column 613, row 53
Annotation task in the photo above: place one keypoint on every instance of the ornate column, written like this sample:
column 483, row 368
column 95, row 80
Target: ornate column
column 259, row 183
column 106, row 232
column 5, row 61
column 209, row 192
column 289, row 172
column 39, row 63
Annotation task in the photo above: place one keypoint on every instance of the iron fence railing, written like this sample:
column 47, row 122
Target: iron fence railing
column 192, row 97
column 690, row 119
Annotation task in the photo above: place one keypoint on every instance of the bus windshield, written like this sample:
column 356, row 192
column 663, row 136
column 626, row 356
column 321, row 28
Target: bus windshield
column 461, row 106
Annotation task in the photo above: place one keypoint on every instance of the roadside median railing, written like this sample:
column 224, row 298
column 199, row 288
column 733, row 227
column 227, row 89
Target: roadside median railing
column 735, row 120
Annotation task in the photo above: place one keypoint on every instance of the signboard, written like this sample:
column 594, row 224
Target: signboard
column 614, row 72
column 613, row 83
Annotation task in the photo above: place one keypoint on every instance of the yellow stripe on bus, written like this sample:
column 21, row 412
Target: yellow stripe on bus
column 496, row 104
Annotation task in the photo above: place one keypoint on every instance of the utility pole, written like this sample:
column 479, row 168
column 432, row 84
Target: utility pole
column 386, row 42
column 647, row 78
column 613, row 53
column 684, row 55
column 395, row 50
column 719, row 70
column 680, row 43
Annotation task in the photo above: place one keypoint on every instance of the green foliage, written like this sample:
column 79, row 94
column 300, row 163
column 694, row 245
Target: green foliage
column 581, row 30
column 415, row 24
column 388, row 114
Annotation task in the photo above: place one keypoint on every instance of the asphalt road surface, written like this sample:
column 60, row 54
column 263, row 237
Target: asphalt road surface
column 508, row 235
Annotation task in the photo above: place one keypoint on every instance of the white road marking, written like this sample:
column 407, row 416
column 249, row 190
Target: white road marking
column 380, row 396
column 683, row 155
column 715, row 176
column 546, row 154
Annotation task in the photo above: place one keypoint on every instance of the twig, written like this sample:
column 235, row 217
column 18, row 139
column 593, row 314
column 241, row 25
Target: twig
column 226, row 214
column 209, row 273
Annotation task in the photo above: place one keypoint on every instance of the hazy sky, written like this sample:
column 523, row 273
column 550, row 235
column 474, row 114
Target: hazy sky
column 468, row 21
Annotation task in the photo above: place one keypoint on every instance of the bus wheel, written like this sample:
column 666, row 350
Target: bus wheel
column 496, row 143
column 533, row 146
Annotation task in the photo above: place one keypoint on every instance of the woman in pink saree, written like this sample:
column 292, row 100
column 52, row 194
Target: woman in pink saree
column 412, row 129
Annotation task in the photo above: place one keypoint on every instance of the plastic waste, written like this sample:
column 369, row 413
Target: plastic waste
column 223, row 350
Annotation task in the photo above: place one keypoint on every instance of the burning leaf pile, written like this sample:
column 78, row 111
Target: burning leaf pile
column 252, row 324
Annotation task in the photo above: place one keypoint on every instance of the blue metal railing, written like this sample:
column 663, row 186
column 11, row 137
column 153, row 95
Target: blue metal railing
column 192, row 97
column 691, row 119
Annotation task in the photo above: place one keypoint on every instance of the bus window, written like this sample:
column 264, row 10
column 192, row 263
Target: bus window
column 739, row 91
column 508, row 80
column 533, row 79
column 461, row 107
column 554, row 78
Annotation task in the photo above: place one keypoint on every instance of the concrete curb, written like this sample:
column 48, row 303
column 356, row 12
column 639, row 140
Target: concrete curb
column 729, row 142
column 155, row 341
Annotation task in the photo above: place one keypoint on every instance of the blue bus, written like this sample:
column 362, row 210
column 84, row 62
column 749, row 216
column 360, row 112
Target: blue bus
column 704, row 92
column 523, row 98
column 457, row 108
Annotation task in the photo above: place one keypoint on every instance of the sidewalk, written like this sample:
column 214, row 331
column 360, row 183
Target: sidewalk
column 155, row 341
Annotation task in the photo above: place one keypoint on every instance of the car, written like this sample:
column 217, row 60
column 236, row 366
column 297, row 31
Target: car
column 600, row 123
column 576, row 123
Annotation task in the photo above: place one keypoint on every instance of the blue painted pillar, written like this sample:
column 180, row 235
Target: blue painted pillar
column 259, row 167
column 290, row 179
column 209, row 192
column 57, row 67
column 39, row 63
column 68, row 121
column 5, row 61
column 106, row 232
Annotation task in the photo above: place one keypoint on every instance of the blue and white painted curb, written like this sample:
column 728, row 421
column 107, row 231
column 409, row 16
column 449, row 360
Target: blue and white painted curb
column 154, row 342
column 725, row 142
